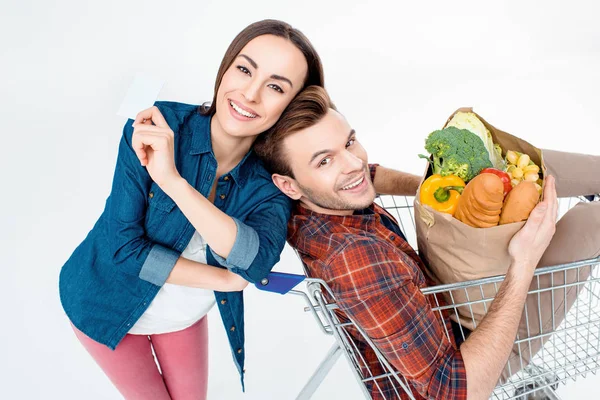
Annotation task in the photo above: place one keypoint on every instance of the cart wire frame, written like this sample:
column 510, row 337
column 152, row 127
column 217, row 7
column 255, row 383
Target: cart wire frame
column 568, row 350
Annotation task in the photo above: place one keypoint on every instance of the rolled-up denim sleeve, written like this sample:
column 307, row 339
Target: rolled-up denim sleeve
column 244, row 249
column 132, row 251
column 269, row 222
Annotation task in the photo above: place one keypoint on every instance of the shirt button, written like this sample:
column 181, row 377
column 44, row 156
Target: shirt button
column 226, row 178
column 222, row 197
column 151, row 195
column 239, row 351
column 223, row 301
column 232, row 329
column 392, row 237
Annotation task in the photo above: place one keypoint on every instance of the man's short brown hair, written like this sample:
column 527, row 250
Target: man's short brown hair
column 307, row 108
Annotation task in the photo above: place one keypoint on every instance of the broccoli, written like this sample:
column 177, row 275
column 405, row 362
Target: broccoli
column 457, row 152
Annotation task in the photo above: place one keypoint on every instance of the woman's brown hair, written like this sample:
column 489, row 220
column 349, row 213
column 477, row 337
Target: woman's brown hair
column 314, row 75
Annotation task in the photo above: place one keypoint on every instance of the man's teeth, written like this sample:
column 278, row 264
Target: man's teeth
column 355, row 184
column 241, row 111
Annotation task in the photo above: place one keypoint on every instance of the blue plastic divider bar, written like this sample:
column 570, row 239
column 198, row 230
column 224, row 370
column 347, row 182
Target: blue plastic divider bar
column 279, row 282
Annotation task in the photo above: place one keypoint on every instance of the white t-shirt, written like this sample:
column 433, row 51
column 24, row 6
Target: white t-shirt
column 177, row 307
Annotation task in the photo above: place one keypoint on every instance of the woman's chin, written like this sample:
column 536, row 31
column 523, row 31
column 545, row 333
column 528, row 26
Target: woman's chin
column 241, row 131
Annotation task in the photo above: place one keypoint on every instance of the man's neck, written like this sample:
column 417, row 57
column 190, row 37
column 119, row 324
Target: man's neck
column 315, row 208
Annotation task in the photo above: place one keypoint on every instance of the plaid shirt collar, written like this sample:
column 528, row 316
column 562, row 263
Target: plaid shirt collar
column 362, row 219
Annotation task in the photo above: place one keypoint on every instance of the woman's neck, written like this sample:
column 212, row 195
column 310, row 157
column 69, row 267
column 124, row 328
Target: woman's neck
column 229, row 150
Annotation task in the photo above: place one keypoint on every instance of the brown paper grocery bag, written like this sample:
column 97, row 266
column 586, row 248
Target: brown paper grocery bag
column 456, row 252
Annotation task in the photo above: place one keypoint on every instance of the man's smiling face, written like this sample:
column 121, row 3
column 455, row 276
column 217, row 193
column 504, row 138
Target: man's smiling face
column 330, row 167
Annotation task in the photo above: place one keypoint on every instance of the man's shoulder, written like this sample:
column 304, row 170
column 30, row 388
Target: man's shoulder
column 323, row 239
column 354, row 264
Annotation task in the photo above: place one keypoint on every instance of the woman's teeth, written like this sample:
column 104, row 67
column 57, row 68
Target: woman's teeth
column 241, row 111
column 355, row 184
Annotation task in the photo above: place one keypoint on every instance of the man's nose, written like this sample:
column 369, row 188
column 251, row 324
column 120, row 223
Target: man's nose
column 352, row 163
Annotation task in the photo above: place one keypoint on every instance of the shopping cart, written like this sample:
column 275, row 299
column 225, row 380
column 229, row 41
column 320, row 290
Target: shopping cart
column 566, row 350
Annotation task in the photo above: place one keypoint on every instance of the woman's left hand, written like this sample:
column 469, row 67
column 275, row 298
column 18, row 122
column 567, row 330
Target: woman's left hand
column 154, row 145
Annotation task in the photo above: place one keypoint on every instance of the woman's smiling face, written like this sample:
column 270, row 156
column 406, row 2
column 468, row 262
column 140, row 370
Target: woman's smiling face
column 260, row 83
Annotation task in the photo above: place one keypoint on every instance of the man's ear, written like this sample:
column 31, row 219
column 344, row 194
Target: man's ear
column 287, row 185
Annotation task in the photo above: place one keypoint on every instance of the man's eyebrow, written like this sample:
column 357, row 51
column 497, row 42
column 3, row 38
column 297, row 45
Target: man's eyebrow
column 274, row 76
column 318, row 153
column 352, row 133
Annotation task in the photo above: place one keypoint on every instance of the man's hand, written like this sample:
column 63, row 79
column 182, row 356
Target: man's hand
column 154, row 146
column 529, row 244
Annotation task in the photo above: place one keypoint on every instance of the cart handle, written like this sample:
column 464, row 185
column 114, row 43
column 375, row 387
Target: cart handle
column 279, row 282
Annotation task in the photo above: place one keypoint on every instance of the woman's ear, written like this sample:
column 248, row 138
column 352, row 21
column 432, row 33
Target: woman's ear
column 287, row 185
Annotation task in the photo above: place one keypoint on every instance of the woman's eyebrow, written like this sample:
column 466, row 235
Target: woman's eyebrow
column 282, row 78
column 274, row 76
column 251, row 61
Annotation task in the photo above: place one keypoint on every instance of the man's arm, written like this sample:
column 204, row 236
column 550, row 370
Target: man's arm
column 389, row 181
column 486, row 350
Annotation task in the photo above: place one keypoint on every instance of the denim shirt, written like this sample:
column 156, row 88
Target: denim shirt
column 113, row 275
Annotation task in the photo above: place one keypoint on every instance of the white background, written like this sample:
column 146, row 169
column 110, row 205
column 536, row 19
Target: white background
column 396, row 70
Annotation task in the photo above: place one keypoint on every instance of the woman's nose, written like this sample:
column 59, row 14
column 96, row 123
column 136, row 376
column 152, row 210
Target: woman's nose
column 252, row 91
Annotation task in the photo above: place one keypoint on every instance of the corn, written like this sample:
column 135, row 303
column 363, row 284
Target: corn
column 514, row 182
column 511, row 157
column 531, row 176
column 509, row 170
column 517, row 173
column 539, row 189
column 523, row 161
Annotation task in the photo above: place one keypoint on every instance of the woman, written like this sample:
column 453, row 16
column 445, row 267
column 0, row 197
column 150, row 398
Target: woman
column 144, row 276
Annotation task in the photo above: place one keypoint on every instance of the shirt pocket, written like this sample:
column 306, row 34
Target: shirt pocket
column 160, row 207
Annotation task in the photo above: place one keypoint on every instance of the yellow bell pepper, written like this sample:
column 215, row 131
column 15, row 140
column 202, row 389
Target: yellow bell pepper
column 442, row 192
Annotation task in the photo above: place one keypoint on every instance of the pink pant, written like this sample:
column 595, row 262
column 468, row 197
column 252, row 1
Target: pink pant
column 182, row 356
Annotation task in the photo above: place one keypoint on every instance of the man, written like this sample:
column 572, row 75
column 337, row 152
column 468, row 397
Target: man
column 359, row 250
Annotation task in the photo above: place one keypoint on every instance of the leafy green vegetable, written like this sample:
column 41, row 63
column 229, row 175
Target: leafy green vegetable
column 468, row 120
column 457, row 152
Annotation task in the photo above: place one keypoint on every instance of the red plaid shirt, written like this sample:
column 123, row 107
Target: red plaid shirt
column 376, row 278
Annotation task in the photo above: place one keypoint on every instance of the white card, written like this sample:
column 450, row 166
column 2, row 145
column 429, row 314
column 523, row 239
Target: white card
column 142, row 94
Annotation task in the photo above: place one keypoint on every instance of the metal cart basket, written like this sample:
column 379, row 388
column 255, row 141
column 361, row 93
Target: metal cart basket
column 567, row 350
